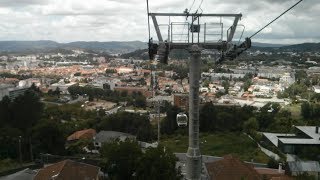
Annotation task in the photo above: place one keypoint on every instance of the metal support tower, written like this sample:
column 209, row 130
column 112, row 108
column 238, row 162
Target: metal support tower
column 159, row 106
column 194, row 47
column 193, row 154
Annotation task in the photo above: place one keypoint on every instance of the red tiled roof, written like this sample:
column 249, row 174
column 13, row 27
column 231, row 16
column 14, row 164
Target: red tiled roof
column 83, row 134
column 230, row 168
column 68, row 169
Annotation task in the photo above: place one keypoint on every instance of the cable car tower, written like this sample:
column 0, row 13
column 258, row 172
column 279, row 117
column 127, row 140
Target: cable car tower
column 197, row 39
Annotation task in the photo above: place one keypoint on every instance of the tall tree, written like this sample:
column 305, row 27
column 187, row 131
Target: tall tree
column 5, row 110
column 47, row 137
column 157, row 164
column 169, row 124
column 306, row 110
column 27, row 111
column 207, row 117
column 120, row 159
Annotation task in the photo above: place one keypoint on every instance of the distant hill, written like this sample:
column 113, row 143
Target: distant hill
column 47, row 46
column 111, row 47
column 257, row 44
column 305, row 47
column 138, row 54
column 134, row 48
column 21, row 46
column 302, row 47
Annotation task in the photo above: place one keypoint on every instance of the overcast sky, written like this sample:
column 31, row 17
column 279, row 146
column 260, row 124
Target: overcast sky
column 124, row 20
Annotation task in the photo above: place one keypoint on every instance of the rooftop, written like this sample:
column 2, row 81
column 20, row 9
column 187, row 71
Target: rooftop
column 105, row 136
column 83, row 134
column 232, row 169
column 304, row 166
column 68, row 169
column 310, row 131
column 273, row 137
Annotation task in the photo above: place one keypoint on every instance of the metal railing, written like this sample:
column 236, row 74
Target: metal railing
column 209, row 32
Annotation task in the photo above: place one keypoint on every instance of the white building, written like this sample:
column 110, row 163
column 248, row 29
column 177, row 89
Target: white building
column 286, row 80
column 316, row 89
column 63, row 87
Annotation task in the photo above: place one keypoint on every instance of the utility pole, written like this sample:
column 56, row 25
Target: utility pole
column 20, row 152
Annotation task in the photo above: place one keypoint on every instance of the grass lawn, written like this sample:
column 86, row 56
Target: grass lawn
column 8, row 164
column 295, row 110
column 220, row 144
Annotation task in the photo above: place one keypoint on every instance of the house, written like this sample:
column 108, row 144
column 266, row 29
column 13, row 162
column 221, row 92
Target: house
column 181, row 101
column 4, row 90
column 230, row 168
column 311, row 168
column 305, row 136
column 68, row 169
column 316, row 89
column 286, row 80
column 17, row 91
column 63, row 87
column 83, row 134
column 109, row 136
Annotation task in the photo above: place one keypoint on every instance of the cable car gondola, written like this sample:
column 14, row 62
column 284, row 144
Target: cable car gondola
column 182, row 119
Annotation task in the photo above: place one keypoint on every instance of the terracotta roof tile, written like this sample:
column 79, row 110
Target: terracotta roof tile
column 83, row 134
column 230, row 168
column 68, row 169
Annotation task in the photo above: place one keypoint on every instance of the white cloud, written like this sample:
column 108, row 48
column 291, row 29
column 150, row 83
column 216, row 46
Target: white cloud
column 107, row 20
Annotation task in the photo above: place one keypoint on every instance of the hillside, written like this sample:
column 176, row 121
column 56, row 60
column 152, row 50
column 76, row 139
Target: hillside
column 302, row 47
column 48, row 46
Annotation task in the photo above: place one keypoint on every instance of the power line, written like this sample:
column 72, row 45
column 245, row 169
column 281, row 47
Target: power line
column 148, row 19
column 191, row 5
column 187, row 13
column 199, row 7
column 276, row 18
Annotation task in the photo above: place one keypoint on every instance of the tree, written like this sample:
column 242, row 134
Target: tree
column 47, row 137
column 50, row 92
column 57, row 92
column 26, row 111
column 77, row 74
column 157, row 164
column 120, row 159
column 247, row 84
column 106, row 86
column 5, row 111
column 125, row 160
column 206, row 83
column 306, row 110
column 226, row 86
column 111, row 71
column 140, row 101
column 9, row 142
column 124, row 94
column 131, row 123
column 251, row 125
column 169, row 124
column 207, row 117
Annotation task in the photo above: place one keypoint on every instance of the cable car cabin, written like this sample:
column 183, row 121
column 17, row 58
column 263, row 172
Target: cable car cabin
column 182, row 120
